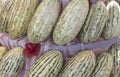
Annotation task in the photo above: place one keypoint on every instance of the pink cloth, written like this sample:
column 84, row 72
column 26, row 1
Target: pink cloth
column 68, row 51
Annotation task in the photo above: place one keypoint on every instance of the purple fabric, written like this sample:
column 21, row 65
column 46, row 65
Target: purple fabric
column 68, row 50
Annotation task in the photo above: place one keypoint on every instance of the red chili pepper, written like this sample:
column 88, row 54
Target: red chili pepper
column 31, row 49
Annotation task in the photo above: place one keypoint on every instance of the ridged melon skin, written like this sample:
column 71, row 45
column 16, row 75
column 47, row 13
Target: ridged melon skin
column 112, row 26
column 12, row 63
column 104, row 66
column 80, row 65
column 48, row 65
column 114, row 50
column 70, row 21
column 5, row 7
column 20, row 16
column 94, row 23
column 43, row 21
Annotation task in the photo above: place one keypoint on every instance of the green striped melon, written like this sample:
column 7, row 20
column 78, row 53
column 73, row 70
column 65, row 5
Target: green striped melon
column 80, row 65
column 48, row 65
column 12, row 63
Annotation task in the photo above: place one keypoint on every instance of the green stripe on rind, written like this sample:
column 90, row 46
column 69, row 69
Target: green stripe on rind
column 70, row 21
column 81, row 65
column 112, row 26
column 114, row 50
column 5, row 7
column 20, row 16
column 12, row 63
column 43, row 21
column 104, row 66
column 48, row 65
column 94, row 23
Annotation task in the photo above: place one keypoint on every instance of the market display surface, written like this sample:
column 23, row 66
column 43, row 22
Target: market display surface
column 59, row 38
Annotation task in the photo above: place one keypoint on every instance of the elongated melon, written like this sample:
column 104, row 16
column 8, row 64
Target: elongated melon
column 20, row 16
column 112, row 26
column 5, row 7
column 104, row 66
column 70, row 21
column 12, row 63
column 81, row 65
column 48, row 65
column 43, row 21
column 114, row 50
column 94, row 23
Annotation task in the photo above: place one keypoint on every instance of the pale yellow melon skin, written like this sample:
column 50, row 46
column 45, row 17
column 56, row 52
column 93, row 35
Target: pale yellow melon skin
column 80, row 65
column 114, row 50
column 112, row 27
column 3, row 51
column 70, row 21
column 103, row 66
column 5, row 7
column 12, row 63
column 48, row 65
column 43, row 21
column 20, row 16
column 94, row 23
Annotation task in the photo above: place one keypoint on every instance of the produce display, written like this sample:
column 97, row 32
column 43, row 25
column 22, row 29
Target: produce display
column 94, row 23
column 48, row 65
column 20, row 16
column 12, row 63
column 104, row 66
column 80, row 65
column 43, row 21
column 114, row 50
column 59, row 38
column 70, row 22
column 112, row 26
